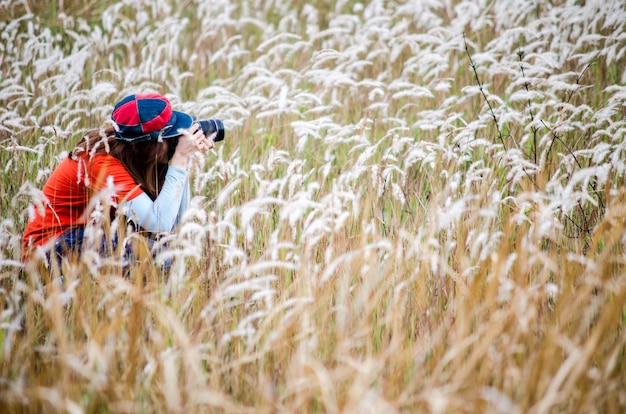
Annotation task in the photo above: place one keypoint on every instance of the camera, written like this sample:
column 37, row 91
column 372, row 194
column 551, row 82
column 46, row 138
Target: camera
column 212, row 126
column 208, row 126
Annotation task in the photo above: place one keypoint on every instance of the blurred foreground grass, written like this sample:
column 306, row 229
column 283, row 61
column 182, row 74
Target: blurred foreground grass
column 385, row 228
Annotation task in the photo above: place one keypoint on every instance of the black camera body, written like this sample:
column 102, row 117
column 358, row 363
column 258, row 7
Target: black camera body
column 212, row 126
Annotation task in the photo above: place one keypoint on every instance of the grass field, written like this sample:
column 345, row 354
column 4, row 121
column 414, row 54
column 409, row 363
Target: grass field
column 418, row 207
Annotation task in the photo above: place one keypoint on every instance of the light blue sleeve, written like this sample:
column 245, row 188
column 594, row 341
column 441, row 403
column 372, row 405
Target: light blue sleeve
column 185, row 202
column 162, row 214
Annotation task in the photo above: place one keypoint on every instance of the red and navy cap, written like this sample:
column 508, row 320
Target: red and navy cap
column 147, row 117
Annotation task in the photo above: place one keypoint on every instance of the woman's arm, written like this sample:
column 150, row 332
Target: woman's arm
column 162, row 214
column 185, row 201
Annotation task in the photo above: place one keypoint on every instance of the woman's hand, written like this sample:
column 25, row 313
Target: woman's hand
column 203, row 144
column 189, row 143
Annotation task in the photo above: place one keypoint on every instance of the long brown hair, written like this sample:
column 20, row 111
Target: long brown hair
column 142, row 160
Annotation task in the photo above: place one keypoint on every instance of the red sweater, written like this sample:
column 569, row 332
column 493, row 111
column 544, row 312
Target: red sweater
column 67, row 195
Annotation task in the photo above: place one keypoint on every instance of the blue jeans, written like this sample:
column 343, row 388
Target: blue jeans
column 71, row 242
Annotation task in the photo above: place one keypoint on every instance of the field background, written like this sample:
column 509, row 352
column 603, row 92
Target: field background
column 418, row 207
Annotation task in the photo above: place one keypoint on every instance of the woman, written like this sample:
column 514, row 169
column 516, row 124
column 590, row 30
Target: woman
column 138, row 166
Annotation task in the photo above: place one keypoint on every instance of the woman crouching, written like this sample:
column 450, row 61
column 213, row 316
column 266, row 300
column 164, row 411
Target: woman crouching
column 138, row 167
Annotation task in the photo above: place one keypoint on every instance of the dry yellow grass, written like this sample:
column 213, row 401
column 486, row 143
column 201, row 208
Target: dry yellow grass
column 371, row 237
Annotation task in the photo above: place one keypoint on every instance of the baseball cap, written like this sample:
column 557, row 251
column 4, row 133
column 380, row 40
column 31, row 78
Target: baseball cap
column 146, row 117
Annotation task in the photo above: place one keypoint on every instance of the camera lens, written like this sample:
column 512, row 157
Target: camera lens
column 212, row 126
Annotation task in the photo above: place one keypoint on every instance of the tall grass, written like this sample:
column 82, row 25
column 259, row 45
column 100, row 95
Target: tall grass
column 418, row 207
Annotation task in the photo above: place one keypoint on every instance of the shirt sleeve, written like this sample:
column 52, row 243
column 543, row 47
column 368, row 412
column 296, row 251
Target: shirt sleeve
column 186, row 200
column 162, row 214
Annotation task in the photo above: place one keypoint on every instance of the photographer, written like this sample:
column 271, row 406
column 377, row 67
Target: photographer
column 139, row 167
